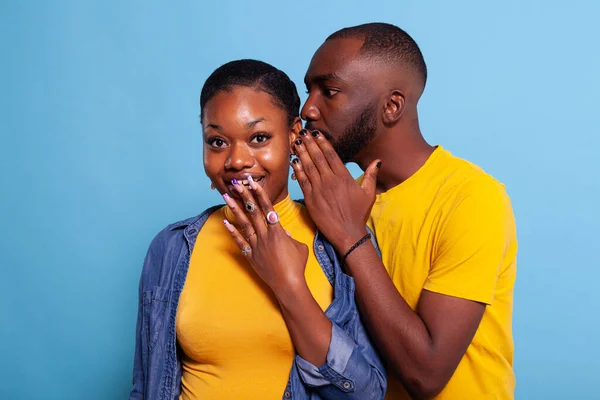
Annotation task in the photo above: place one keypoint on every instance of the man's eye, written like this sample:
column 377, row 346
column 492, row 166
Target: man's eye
column 330, row 92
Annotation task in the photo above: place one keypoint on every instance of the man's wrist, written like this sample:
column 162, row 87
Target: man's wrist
column 348, row 239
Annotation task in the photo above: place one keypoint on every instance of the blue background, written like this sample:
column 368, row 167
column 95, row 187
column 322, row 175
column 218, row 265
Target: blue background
column 101, row 147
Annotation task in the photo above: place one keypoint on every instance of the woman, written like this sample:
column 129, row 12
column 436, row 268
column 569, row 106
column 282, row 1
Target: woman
column 244, row 301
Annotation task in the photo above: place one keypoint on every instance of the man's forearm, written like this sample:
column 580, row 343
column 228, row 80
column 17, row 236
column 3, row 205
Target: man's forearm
column 400, row 333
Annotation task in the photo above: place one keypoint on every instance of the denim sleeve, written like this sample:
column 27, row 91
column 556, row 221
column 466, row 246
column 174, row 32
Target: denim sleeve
column 353, row 369
column 137, row 392
column 139, row 384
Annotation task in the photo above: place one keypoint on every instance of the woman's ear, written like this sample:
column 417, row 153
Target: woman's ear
column 295, row 132
column 394, row 107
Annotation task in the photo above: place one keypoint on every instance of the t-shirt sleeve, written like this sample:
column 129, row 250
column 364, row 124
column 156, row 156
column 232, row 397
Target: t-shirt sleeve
column 473, row 240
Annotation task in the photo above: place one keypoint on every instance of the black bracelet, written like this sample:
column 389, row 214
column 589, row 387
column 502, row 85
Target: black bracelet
column 355, row 245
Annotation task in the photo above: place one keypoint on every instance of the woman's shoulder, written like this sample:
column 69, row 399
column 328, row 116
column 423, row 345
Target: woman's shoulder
column 174, row 229
column 170, row 240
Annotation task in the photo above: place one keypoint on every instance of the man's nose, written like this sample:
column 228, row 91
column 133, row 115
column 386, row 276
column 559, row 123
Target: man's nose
column 309, row 111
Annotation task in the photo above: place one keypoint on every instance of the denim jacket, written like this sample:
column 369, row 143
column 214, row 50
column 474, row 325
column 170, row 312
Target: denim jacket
column 353, row 369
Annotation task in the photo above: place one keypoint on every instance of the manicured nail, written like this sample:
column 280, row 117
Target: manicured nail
column 229, row 227
column 227, row 199
column 298, row 142
column 315, row 133
column 303, row 132
column 253, row 184
column 378, row 165
column 235, row 182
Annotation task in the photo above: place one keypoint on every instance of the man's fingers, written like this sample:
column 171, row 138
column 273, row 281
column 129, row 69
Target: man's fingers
column 369, row 183
column 309, row 168
column 315, row 152
column 301, row 177
column 334, row 161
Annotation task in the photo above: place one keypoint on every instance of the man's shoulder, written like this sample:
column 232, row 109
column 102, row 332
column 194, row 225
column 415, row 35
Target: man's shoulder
column 466, row 178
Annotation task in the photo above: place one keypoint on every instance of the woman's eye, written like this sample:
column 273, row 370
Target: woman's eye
column 216, row 142
column 258, row 139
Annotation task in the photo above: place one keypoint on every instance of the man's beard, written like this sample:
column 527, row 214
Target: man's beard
column 356, row 136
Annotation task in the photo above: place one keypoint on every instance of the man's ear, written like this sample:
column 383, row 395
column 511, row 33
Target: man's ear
column 394, row 107
column 295, row 132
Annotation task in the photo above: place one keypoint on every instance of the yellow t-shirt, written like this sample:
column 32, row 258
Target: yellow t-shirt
column 450, row 229
column 235, row 342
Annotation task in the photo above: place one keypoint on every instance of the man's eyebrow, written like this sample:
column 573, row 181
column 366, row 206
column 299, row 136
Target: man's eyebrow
column 322, row 78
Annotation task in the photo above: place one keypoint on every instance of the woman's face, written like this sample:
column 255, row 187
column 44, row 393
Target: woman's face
column 246, row 134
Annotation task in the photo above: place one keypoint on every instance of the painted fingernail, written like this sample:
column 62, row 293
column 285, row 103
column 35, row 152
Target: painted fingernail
column 253, row 184
column 378, row 165
column 298, row 142
column 227, row 199
column 303, row 132
column 229, row 227
column 235, row 182
column 315, row 133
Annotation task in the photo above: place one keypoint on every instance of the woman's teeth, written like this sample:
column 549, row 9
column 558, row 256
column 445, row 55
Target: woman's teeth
column 246, row 183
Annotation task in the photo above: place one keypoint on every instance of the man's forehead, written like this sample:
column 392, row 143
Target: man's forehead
column 333, row 57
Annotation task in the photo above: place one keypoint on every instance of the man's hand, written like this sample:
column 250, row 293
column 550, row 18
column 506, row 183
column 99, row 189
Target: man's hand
column 338, row 205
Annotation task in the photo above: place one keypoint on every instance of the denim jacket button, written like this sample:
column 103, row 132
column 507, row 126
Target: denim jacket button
column 287, row 394
column 347, row 385
column 321, row 248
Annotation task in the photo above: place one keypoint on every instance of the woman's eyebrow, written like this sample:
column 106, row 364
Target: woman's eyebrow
column 252, row 124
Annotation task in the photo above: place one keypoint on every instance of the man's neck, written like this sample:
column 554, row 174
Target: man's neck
column 401, row 154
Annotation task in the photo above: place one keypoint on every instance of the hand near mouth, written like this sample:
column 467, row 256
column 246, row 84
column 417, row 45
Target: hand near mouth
column 338, row 205
column 276, row 257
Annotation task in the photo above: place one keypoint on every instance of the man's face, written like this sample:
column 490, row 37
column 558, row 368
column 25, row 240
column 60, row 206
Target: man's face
column 342, row 97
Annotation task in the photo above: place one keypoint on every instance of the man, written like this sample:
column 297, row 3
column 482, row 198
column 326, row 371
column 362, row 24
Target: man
column 439, row 300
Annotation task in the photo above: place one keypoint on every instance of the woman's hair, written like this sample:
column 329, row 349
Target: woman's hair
column 254, row 74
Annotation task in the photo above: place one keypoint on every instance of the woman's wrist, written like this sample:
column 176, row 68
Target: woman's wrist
column 290, row 290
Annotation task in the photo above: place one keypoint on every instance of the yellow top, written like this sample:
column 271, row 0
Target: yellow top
column 450, row 229
column 235, row 342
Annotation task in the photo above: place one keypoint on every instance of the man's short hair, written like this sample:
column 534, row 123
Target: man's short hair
column 387, row 42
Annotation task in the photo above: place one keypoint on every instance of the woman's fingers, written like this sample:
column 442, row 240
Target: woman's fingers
column 238, row 239
column 246, row 227
column 268, row 211
column 251, row 208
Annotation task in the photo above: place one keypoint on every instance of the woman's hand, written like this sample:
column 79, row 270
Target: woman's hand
column 276, row 257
